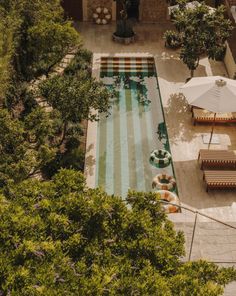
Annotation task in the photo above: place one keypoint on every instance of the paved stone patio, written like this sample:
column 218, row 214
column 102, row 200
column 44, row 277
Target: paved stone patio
column 213, row 241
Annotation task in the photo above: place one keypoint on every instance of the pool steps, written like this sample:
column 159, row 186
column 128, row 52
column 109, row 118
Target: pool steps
column 127, row 64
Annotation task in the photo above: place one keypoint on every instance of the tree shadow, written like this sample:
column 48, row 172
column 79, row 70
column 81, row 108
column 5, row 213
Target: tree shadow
column 172, row 69
column 89, row 168
column 178, row 119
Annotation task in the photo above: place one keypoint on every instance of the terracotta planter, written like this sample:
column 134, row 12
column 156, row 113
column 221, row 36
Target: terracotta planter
column 123, row 40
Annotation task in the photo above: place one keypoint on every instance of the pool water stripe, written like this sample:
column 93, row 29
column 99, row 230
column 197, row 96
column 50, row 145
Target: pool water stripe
column 116, row 148
column 148, row 137
column 138, row 171
column 102, row 152
column 109, row 154
column 124, row 144
column 117, row 145
column 145, row 144
column 97, row 155
column 131, row 146
column 137, row 139
column 148, row 109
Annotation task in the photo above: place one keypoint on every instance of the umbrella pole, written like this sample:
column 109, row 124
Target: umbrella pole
column 212, row 130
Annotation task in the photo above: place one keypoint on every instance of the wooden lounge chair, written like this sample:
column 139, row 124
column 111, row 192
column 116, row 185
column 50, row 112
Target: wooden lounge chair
column 217, row 158
column 202, row 115
column 220, row 179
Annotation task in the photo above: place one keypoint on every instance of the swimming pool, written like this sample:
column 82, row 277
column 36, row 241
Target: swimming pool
column 133, row 129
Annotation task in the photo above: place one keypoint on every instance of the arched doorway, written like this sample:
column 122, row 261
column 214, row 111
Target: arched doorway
column 73, row 9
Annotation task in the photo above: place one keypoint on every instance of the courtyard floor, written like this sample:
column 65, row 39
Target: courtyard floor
column 212, row 240
column 185, row 139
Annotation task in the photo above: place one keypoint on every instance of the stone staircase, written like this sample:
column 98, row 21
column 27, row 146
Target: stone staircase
column 59, row 69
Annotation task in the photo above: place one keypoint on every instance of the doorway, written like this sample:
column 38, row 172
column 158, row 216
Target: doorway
column 133, row 10
column 73, row 9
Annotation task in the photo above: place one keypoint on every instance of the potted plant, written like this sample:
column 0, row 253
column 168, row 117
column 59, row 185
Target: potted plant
column 172, row 39
column 124, row 29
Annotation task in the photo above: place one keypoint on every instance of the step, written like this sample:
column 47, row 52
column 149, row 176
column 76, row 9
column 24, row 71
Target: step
column 126, row 70
column 135, row 67
column 128, row 67
column 127, row 62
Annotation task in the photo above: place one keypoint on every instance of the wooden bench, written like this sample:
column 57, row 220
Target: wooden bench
column 220, row 179
column 217, row 158
column 202, row 115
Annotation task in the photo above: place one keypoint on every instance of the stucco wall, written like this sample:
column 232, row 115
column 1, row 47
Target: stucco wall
column 153, row 11
column 229, row 62
column 92, row 4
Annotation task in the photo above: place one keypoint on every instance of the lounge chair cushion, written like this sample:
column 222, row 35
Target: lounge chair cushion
column 220, row 158
column 202, row 115
column 220, row 179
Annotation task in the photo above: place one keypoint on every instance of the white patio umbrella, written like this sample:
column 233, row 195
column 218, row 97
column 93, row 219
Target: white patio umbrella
column 213, row 93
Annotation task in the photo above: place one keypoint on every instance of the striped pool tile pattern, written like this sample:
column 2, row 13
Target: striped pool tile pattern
column 133, row 129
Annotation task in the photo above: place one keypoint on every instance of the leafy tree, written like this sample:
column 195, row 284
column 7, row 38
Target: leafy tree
column 14, row 161
column 41, row 35
column 35, row 39
column 40, row 126
column 82, row 61
column 48, row 42
column 9, row 24
column 61, row 238
column 202, row 32
column 24, row 146
column 75, row 97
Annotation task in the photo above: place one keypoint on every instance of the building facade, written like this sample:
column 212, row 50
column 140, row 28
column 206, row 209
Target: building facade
column 149, row 11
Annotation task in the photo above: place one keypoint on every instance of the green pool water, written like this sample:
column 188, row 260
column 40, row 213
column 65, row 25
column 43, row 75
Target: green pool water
column 133, row 129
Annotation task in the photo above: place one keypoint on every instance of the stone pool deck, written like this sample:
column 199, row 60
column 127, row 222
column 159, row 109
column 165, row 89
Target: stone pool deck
column 185, row 139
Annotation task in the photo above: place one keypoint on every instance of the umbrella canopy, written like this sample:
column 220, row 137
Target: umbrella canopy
column 213, row 93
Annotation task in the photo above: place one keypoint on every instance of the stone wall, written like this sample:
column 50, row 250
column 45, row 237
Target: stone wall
column 93, row 4
column 153, row 11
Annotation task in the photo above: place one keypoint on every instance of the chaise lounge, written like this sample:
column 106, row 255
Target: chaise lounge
column 219, row 179
column 217, row 158
column 202, row 115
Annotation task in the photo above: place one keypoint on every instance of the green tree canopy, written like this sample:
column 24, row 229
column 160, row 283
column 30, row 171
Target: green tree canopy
column 34, row 36
column 48, row 42
column 24, row 146
column 202, row 31
column 61, row 238
column 37, row 34
column 75, row 97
